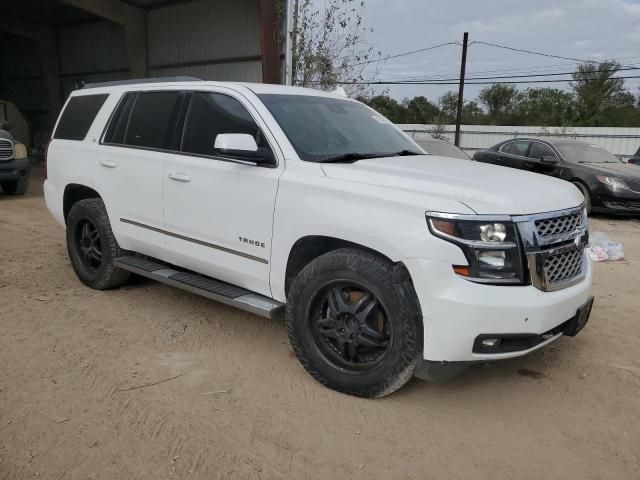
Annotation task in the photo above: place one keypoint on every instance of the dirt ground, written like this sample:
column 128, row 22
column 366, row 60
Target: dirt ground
column 237, row 404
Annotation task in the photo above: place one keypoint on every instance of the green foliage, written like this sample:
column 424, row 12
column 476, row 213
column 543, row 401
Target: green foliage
column 500, row 100
column 545, row 107
column 597, row 98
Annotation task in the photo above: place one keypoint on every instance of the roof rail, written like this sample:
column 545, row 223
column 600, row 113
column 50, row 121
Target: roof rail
column 140, row 80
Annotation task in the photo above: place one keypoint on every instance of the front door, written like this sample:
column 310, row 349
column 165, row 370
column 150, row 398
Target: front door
column 218, row 212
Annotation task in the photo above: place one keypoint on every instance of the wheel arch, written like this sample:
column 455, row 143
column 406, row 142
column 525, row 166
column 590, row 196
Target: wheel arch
column 73, row 193
column 308, row 248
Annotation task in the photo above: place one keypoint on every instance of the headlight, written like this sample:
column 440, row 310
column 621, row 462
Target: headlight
column 19, row 151
column 490, row 246
column 613, row 182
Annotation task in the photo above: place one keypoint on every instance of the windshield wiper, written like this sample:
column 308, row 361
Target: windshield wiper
column 403, row 153
column 354, row 156
column 346, row 157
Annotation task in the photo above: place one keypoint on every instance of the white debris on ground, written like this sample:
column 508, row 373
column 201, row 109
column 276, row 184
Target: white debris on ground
column 601, row 248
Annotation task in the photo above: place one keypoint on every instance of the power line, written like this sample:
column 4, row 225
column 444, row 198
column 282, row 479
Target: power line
column 533, row 71
column 517, row 76
column 403, row 54
column 400, row 82
column 532, row 52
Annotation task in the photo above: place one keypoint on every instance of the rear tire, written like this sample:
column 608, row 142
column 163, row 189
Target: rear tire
column 353, row 324
column 92, row 246
column 587, row 195
column 15, row 187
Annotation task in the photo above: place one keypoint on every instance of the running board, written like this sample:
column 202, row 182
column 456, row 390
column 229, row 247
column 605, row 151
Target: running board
column 201, row 285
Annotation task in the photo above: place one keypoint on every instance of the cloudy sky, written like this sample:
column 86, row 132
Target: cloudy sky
column 583, row 29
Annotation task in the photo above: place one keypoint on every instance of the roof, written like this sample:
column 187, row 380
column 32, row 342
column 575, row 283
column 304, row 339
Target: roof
column 193, row 83
column 550, row 140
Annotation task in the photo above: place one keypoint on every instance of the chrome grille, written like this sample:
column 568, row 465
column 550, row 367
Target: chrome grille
column 563, row 267
column 553, row 226
column 633, row 185
column 553, row 243
column 6, row 149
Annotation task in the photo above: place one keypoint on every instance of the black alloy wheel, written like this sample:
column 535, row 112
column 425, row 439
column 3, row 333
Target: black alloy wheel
column 350, row 326
column 88, row 244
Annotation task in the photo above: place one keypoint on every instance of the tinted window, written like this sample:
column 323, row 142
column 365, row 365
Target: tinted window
column 519, row 148
column 78, row 116
column 505, row 147
column 153, row 120
column 539, row 150
column 118, row 125
column 321, row 127
column 211, row 114
column 585, row 153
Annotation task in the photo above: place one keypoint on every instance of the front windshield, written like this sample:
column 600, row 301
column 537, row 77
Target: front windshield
column 322, row 128
column 443, row 149
column 585, row 153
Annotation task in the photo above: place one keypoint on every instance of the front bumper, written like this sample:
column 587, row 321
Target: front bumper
column 621, row 201
column 456, row 311
column 14, row 169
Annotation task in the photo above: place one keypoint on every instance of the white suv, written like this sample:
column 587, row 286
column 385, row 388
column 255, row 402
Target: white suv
column 390, row 262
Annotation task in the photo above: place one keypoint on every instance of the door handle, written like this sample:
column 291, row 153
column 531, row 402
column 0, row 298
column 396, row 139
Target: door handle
column 180, row 177
column 108, row 163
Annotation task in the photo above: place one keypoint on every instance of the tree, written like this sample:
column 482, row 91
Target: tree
column 387, row 106
column 448, row 104
column 545, row 107
column 420, row 110
column 500, row 100
column 596, row 90
column 472, row 114
column 327, row 45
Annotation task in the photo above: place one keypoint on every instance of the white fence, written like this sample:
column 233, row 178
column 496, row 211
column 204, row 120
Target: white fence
column 622, row 142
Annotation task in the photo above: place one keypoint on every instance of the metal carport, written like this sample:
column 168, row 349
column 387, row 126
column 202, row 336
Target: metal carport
column 50, row 47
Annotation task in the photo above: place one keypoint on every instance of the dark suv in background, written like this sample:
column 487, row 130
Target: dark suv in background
column 14, row 164
column 606, row 183
column 635, row 160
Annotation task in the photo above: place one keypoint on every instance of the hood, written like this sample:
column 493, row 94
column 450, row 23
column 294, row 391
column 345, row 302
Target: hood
column 486, row 189
column 622, row 170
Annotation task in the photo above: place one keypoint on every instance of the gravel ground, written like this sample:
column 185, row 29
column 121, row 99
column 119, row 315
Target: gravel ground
column 76, row 364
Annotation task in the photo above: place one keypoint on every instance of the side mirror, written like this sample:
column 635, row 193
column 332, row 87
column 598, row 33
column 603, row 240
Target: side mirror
column 550, row 160
column 242, row 146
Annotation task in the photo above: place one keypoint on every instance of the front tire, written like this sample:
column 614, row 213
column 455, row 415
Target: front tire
column 92, row 246
column 15, row 187
column 355, row 325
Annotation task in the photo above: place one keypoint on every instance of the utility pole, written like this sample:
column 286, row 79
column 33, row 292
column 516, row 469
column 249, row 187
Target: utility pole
column 463, row 66
column 294, row 41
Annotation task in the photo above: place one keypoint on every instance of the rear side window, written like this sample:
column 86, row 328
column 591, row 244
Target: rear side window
column 78, row 116
column 153, row 120
column 118, row 126
column 519, row 148
column 209, row 115
column 539, row 150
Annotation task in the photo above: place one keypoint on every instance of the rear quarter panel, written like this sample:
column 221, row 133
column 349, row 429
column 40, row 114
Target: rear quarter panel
column 74, row 162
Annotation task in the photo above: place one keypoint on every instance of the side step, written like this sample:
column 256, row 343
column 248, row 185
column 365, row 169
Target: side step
column 201, row 285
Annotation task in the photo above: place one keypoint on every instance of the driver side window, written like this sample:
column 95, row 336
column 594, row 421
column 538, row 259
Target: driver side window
column 211, row 114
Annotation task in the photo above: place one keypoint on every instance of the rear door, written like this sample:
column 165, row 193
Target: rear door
column 218, row 211
column 131, row 164
column 514, row 154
